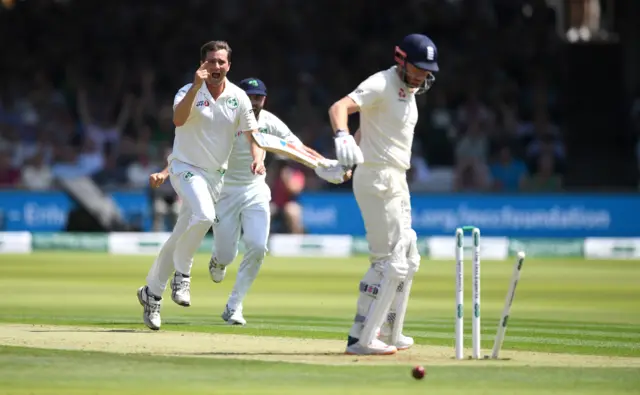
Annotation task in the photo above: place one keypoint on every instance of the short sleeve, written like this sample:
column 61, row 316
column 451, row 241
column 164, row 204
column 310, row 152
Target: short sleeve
column 370, row 91
column 180, row 95
column 247, row 119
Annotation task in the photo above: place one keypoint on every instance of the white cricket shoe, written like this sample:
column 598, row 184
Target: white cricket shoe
column 181, row 290
column 216, row 271
column 233, row 317
column 376, row 347
column 151, row 304
column 403, row 343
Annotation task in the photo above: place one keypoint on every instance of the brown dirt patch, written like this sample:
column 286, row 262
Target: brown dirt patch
column 265, row 348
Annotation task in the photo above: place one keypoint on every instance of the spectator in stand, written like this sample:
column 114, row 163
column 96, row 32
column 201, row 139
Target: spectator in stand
column 36, row 175
column 471, row 175
column 121, row 99
column 545, row 178
column 508, row 173
column 111, row 176
column 9, row 175
column 287, row 183
column 138, row 172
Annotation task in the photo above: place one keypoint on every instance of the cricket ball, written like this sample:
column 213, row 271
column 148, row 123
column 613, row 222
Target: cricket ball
column 418, row 372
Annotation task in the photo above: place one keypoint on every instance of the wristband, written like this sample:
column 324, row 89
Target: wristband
column 341, row 132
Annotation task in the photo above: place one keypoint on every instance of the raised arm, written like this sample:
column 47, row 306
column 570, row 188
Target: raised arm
column 183, row 104
column 125, row 112
column 184, row 100
column 83, row 108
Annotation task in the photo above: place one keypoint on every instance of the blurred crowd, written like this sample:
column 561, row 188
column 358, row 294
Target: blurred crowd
column 86, row 87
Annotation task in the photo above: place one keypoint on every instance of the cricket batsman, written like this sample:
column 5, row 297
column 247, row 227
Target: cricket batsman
column 388, row 115
column 207, row 113
column 244, row 204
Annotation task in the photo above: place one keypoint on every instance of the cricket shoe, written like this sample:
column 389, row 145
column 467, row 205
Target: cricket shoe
column 151, row 304
column 216, row 271
column 403, row 343
column 181, row 289
column 233, row 317
column 376, row 347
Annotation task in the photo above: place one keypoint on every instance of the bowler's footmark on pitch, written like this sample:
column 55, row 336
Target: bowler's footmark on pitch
column 265, row 348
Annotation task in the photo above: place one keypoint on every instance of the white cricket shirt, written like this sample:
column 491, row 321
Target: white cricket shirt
column 206, row 139
column 388, row 116
column 239, row 171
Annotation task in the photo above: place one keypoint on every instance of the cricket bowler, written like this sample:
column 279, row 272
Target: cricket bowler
column 388, row 115
column 207, row 113
column 244, row 204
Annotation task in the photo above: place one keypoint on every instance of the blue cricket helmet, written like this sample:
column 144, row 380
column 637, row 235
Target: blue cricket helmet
column 420, row 51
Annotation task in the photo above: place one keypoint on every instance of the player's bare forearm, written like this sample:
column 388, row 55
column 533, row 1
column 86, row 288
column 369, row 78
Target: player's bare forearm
column 339, row 113
column 257, row 153
column 183, row 109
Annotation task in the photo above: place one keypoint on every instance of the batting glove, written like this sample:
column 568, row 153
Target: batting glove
column 347, row 150
column 332, row 171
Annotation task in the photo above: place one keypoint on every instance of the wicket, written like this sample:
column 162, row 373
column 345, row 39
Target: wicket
column 502, row 325
column 475, row 290
column 475, row 321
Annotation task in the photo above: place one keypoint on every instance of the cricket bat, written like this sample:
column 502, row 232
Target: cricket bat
column 280, row 146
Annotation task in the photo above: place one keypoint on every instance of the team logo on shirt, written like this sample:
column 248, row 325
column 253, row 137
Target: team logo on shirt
column 402, row 95
column 232, row 103
column 187, row 175
column 202, row 103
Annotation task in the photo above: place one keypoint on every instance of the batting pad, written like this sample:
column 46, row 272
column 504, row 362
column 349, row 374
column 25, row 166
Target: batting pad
column 402, row 300
column 379, row 309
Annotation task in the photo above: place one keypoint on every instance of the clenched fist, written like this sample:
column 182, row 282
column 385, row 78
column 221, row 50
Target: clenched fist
column 157, row 179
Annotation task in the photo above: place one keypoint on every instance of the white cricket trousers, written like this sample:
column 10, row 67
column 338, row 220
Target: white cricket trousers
column 198, row 190
column 383, row 197
column 242, row 208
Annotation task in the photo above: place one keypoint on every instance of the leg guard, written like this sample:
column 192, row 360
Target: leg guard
column 379, row 309
column 395, row 318
column 369, row 290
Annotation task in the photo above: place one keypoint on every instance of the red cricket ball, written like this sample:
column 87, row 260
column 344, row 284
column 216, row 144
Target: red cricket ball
column 418, row 372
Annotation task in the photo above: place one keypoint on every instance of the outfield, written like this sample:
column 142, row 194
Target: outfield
column 71, row 324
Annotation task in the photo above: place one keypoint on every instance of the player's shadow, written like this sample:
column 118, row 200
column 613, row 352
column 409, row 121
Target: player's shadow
column 139, row 322
column 265, row 353
column 89, row 330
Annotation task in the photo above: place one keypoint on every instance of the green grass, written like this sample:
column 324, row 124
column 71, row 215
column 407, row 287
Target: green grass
column 562, row 306
column 43, row 372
